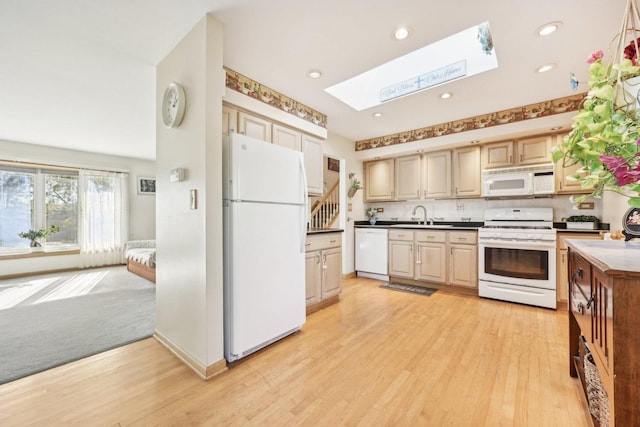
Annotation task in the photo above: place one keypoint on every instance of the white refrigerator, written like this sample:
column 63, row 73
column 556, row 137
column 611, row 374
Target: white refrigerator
column 265, row 225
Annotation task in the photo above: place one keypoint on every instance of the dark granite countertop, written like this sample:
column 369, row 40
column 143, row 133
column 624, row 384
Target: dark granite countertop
column 324, row 230
column 455, row 225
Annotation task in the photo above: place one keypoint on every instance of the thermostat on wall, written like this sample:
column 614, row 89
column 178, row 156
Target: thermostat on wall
column 176, row 175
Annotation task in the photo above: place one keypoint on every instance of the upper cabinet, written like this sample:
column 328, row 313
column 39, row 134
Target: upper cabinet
column 534, row 151
column 253, row 126
column 313, row 163
column 466, row 172
column 229, row 120
column 286, row 137
column 437, row 173
column 527, row 151
column 260, row 128
column 563, row 184
column 408, row 177
column 379, row 180
column 498, row 154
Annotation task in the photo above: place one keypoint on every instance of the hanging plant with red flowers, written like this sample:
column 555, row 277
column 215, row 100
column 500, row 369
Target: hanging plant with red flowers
column 605, row 139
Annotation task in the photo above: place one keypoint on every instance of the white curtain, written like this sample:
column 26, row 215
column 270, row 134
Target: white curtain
column 104, row 217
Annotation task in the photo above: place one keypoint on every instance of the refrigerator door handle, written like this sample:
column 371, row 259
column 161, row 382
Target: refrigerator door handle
column 305, row 201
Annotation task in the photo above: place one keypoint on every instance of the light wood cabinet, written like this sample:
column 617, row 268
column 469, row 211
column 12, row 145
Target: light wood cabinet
column 437, row 173
column 431, row 256
column 253, row 126
column 229, row 120
column 323, row 270
column 521, row 152
column 379, row 180
column 562, row 264
column 286, row 137
column 466, row 172
column 563, row 184
column 497, row 154
column 535, row 150
column 408, row 177
column 434, row 256
column 463, row 258
column 313, row 164
column 401, row 261
column 313, row 277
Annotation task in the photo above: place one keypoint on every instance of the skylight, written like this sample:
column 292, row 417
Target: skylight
column 461, row 55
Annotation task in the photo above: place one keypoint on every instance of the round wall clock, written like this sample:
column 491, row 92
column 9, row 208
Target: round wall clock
column 173, row 103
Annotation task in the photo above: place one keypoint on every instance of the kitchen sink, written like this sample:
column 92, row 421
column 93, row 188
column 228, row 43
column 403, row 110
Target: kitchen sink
column 421, row 226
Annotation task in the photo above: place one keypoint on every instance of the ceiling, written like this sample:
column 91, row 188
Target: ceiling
column 80, row 74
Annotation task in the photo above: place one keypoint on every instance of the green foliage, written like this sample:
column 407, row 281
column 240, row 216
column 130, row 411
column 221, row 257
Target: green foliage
column 605, row 135
column 34, row 235
column 583, row 218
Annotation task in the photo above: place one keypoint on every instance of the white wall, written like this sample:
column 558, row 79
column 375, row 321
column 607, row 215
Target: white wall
column 142, row 221
column 189, row 305
column 341, row 148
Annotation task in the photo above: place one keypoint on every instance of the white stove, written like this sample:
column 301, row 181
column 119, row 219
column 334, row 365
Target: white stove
column 517, row 256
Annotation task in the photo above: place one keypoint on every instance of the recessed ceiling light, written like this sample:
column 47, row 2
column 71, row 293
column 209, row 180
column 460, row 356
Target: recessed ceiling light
column 556, row 128
column 475, row 141
column 549, row 28
column 401, row 33
column 420, row 150
column 315, row 74
column 377, row 114
column 545, row 68
column 446, row 95
column 376, row 158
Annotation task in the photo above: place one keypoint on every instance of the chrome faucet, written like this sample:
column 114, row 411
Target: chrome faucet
column 424, row 218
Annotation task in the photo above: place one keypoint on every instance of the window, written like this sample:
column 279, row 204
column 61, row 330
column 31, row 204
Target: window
column 33, row 199
column 16, row 201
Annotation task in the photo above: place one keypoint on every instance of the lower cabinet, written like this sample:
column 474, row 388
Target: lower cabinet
column 323, row 270
column 434, row 256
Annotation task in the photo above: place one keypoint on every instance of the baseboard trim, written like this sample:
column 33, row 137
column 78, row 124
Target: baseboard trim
column 204, row 372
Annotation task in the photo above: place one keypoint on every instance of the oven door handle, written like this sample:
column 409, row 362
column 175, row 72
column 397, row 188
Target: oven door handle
column 516, row 244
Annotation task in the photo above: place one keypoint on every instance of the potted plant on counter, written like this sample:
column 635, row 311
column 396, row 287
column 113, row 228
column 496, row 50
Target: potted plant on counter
column 371, row 213
column 583, row 222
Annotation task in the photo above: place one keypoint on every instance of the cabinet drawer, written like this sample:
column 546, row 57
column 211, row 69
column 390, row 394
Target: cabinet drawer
column 431, row 236
column 463, row 237
column 581, row 313
column 322, row 241
column 403, row 235
column 580, row 275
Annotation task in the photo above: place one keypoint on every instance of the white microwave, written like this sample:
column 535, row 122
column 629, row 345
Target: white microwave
column 528, row 181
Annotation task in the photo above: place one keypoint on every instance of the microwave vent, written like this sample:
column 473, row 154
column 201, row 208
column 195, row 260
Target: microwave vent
column 536, row 168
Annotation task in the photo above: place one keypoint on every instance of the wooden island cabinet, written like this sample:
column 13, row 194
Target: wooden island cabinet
column 604, row 296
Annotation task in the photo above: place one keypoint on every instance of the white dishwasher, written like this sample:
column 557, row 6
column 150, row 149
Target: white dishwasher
column 371, row 252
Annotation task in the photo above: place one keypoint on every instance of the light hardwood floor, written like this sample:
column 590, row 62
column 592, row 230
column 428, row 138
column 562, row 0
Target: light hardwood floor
column 378, row 358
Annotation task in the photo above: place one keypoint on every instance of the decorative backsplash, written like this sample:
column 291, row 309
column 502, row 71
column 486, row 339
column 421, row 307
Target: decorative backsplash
column 528, row 112
column 246, row 86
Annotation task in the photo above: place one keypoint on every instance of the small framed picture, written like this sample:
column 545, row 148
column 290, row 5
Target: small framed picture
column 333, row 164
column 146, row 185
column 631, row 223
